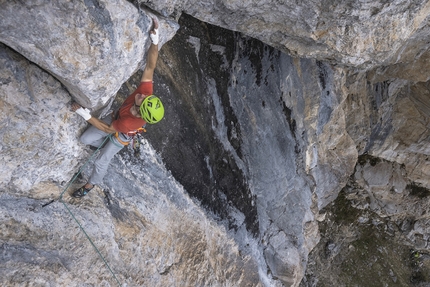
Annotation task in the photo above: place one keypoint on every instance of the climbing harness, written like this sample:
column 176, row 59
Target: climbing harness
column 73, row 216
column 131, row 135
column 124, row 143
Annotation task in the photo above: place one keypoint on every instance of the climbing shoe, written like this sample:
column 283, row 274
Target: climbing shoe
column 82, row 191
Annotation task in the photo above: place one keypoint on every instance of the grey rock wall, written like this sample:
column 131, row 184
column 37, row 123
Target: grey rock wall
column 91, row 47
column 274, row 121
column 40, row 242
column 355, row 33
column 38, row 132
column 147, row 229
column 390, row 120
column 261, row 141
column 383, row 187
column 375, row 233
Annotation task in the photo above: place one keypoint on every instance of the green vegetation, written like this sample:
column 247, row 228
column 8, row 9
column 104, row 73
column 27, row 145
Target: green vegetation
column 359, row 248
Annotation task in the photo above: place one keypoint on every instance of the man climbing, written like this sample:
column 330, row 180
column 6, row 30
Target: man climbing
column 139, row 108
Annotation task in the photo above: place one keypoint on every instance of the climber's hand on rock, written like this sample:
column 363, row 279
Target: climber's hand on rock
column 83, row 112
column 154, row 32
column 75, row 106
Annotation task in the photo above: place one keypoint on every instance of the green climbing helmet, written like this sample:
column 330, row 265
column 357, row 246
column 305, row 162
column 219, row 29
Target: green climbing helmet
column 151, row 109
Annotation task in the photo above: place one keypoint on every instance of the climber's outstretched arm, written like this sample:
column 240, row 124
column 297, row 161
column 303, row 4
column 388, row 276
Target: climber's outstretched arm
column 151, row 59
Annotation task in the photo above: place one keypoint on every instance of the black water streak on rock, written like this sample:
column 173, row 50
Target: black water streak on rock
column 185, row 138
column 381, row 125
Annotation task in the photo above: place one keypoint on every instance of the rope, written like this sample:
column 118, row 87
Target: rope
column 114, row 142
column 73, row 216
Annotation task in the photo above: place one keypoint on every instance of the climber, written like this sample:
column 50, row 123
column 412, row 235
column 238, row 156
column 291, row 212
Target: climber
column 139, row 108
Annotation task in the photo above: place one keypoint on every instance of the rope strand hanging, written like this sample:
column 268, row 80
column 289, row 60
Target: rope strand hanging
column 73, row 216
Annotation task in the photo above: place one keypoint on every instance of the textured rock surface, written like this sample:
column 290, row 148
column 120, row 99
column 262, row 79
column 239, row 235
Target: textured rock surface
column 390, row 120
column 376, row 233
column 358, row 33
column 383, row 187
column 91, row 47
column 269, row 119
column 263, row 141
column 148, row 230
column 36, row 128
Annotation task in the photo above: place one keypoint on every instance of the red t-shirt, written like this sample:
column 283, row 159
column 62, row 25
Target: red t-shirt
column 126, row 122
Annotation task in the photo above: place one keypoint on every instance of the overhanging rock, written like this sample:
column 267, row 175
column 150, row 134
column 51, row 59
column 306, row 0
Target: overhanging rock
column 92, row 47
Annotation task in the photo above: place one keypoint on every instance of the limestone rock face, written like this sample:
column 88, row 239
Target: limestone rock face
column 91, row 47
column 148, row 230
column 375, row 233
column 383, row 187
column 275, row 122
column 356, row 33
column 151, row 241
column 395, row 122
column 35, row 153
column 229, row 189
